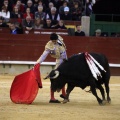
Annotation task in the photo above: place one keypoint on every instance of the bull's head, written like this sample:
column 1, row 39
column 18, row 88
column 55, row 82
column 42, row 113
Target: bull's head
column 56, row 81
column 53, row 74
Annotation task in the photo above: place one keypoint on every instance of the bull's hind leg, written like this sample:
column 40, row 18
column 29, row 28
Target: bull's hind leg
column 107, row 79
column 99, row 86
column 93, row 89
column 107, row 91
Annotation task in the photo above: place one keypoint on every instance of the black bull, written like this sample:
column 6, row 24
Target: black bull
column 76, row 73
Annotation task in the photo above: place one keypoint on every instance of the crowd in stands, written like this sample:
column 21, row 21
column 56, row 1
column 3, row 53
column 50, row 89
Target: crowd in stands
column 45, row 14
column 18, row 15
column 42, row 14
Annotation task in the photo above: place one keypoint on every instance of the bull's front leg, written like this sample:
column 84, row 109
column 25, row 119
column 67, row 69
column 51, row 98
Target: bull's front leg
column 68, row 91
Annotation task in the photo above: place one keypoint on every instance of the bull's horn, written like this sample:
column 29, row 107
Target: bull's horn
column 46, row 77
column 56, row 75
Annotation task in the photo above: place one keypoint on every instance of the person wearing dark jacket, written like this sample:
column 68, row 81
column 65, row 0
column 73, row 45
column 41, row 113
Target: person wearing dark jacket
column 78, row 31
column 66, row 15
column 14, row 29
column 60, row 25
column 48, row 24
column 53, row 15
column 15, row 13
column 28, row 23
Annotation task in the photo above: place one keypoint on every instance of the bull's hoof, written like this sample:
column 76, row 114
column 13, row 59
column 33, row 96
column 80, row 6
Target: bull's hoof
column 102, row 102
column 65, row 101
column 109, row 100
column 54, row 101
column 62, row 96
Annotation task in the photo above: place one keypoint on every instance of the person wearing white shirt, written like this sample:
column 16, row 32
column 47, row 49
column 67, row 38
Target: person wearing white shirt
column 5, row 14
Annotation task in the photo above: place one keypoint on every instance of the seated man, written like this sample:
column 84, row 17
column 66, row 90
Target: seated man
column 53, row 15
column 38, row 24
column 66, row 15
column 60, row 25
column 48, row 24
column 78, row 31
column 14, row 29
column 28, row 23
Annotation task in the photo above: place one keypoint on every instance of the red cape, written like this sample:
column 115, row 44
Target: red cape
column 25, row 86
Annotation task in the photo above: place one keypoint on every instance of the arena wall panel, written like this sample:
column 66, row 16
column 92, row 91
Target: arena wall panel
column 30, row 47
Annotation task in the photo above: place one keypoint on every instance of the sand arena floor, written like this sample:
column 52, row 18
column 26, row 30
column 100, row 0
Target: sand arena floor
column 82, row 105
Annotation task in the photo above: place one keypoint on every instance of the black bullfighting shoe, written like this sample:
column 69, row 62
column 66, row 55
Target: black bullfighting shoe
column 54, row 101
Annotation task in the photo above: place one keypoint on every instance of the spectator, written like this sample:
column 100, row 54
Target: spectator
column 60, row 25
column 48, row 24
column 78, row 31
column 14, row 29
column 66, row 15
column 28, row 13
column 98, row 32
column 46, row 2
column 40, row 14
column 38, row 24
column 31, row 6
column 15, row 13
column 89, row 5
column 20, row 27
column 5, row 14
column 7, row 4
column 49, row 8
column 28, row 23
column 35, row 3
column 53, row 15
column 20, row 6
column 61, row 9
column 73, row 2
column 76, row 12
column 40, row 3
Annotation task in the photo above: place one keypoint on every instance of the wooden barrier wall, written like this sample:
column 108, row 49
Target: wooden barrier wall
column 28, row 47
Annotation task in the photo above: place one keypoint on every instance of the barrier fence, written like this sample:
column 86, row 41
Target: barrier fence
column 29, row 47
